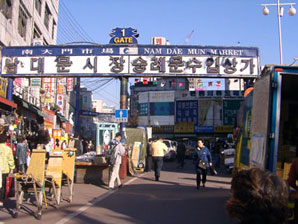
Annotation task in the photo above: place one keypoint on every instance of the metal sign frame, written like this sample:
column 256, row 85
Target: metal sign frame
column 130, row 61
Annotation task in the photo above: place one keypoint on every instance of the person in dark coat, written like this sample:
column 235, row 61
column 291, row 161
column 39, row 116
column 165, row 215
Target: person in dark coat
column 21, row 154
column 181, row 154
column 149, row 156
column 202, row 153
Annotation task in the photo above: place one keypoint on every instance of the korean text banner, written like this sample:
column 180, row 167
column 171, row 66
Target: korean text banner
column 130, row 60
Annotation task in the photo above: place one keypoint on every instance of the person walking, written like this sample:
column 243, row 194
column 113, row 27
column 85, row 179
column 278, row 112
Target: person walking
column 119, row 152
column 149, row 156
column 181, row 154
column 202, row 160
column 158, row 150
column 21, row 154
column 7, row 164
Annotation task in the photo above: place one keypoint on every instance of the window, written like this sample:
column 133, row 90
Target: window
column 209, row 93
column 53, row 29
column 22, row 23
column 47, row 16
column 236, row 93
column 36, row 32
column 201, row 93
column 218, row 93
column 6, row 8
column 38, row 6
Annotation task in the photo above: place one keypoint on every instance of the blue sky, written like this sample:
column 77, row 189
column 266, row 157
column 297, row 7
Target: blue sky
column 215, row 22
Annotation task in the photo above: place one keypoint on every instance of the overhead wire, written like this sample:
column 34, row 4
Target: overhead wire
column 82, row 31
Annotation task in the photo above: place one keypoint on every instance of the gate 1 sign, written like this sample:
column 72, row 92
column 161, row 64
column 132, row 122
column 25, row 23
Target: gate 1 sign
column 131, row 61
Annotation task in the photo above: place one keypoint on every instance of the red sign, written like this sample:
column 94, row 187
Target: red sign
column 50, row 114
column 69, row 84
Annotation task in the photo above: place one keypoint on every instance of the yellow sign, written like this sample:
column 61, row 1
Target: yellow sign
column 223, row 129
column 3, row 87
column 184, row 127
column 123, row 40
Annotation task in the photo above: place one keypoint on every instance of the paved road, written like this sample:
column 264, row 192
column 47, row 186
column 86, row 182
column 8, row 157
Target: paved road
column 174, row 199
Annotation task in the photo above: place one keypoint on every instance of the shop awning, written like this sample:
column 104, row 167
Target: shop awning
column 62, row 118
column 33, row 109
column 8, row 102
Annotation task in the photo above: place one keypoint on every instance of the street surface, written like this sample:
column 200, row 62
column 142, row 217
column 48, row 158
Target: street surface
column 174, row 199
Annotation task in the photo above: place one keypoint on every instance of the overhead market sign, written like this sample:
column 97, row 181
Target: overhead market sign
column 130, row 60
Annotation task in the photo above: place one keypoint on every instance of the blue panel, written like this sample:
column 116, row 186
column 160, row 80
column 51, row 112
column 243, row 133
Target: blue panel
column 162, row 109
column 121, row 113
column 143, row 109
column 187, row 111
column 204, row 129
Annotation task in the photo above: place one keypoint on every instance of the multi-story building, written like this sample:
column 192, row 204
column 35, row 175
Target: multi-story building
column 28, row 22
column 33, row 23
column 173, row 111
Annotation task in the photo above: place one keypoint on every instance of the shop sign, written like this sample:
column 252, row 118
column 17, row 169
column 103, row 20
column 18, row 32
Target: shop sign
column 69, row 84
column 223, row 129
column 3, row 87
column 133, row 61
column 51, row 115
column 56, row 133
column 184, row 127
column 60, row 102
column 68, row 127
column 204, row 129
column 163, row 129
column 36, row 82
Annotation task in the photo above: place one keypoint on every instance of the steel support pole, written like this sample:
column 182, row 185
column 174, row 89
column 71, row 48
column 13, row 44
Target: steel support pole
column 9, row 94
column 123, row 100
column 78, row 107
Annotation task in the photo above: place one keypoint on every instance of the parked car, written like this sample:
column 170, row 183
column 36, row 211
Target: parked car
column 172, row 149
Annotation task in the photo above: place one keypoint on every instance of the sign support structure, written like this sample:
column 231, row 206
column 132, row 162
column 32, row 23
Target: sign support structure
column 123, row 101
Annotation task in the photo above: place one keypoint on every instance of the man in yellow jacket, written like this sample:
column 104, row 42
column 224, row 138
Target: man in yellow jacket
column 158, row 150
column 6, row 163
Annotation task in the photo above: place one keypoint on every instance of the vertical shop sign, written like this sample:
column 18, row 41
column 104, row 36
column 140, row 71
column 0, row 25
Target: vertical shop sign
column 60, row 102
column 3, row 87
column 69, row 84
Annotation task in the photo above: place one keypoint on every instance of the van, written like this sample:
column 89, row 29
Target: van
column 172, row 149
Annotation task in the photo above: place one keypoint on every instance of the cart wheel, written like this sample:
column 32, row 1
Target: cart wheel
column 15, row 215
column 38, row 216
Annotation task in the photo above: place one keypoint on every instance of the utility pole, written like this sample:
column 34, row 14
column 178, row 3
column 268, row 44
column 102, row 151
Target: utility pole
column 123, row 100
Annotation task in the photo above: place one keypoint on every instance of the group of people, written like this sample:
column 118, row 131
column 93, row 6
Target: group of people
column 82, row 145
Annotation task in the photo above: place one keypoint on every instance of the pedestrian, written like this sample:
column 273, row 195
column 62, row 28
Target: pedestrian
column 181, row 154
column 292, row 181
column 149, row 156
column 258, row 196
column 76, row 143
column 7, row 164
column 202, row 160
column 158, row 150
column 21, row 154
column 119, row 152
column 85, row 145
column 57, row 144
column 90, row 146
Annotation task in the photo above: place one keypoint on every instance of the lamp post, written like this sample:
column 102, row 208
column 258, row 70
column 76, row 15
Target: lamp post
column 280, row 10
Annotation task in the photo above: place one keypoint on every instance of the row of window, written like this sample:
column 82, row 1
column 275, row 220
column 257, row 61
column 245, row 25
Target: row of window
column 6, row 10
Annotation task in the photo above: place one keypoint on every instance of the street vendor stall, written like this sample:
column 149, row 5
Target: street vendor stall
column 91, row 169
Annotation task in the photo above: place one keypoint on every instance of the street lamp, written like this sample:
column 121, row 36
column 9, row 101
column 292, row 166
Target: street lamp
column 280, row 10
